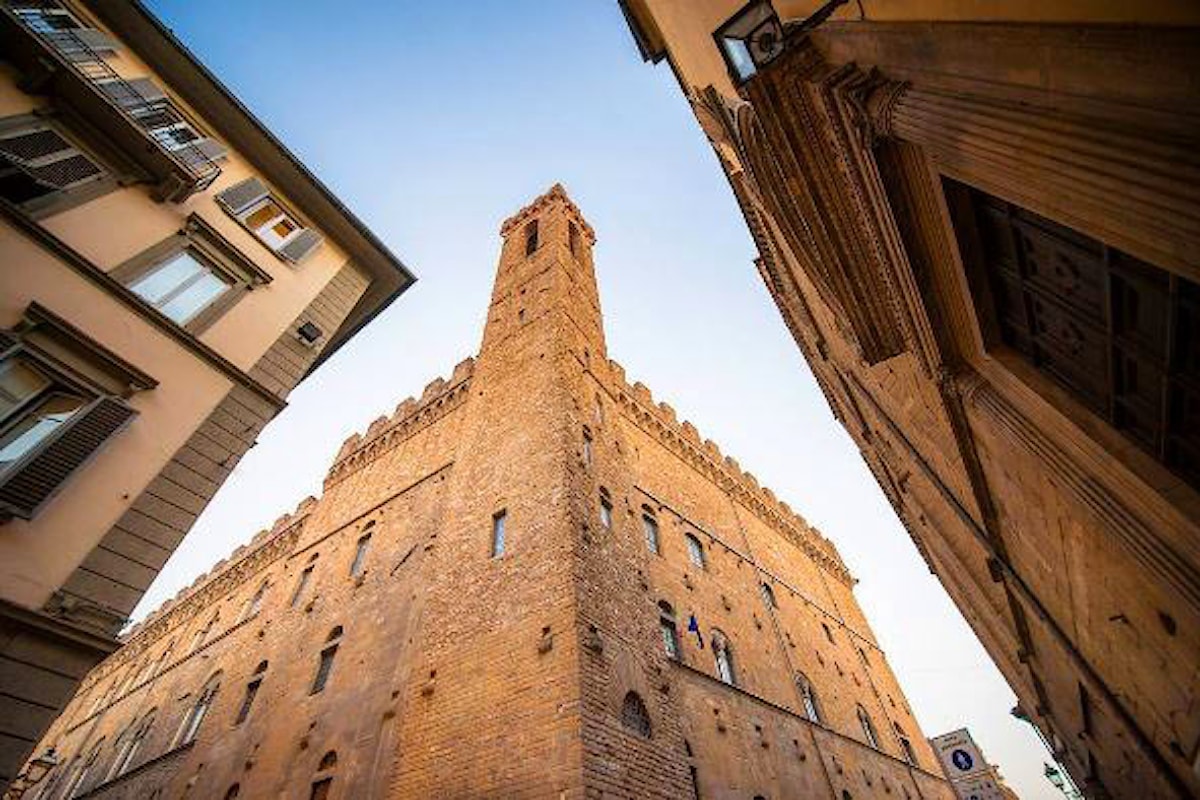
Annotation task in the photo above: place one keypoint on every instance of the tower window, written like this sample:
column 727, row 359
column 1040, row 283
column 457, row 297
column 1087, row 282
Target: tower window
column 498, row 520
column 670, row 632
column 634, row 715
column 723, row 655
column 325, row 665
column 606, row 508
column 321, row 789
column 254, row 604
column 808, row 696
column 531, row 237
column 360, row 555
column 251, row 692
column 768, row 595
column 910, row 755
column 828, row 632
column 573, row 238
column 587, row 446
column 1120, row 335
column 650, row 528
column 868, row 728
column 191, row 722
column 695, row 551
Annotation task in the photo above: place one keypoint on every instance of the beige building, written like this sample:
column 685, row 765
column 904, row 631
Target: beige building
column 532, row 581
column 168, row 273
column 981, row 223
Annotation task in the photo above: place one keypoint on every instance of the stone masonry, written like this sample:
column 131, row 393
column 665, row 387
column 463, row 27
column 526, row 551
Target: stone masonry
column 655, row 623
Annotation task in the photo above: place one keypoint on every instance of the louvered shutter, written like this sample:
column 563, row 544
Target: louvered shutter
column 202, row 151
column 240, row 196
column 7, row 340
column 44, row 155
column 134, row 92
column 30, row 484
column 98, row 41
column 301, row 245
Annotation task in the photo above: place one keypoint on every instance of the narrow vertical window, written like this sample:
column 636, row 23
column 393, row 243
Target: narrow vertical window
column 650, row 528
column 325, row 665
column 868, row 728
column 598, row 411
column 360, row 556
column 768, row 595
column 498, row 520
column 254, row 604
column 202, row 635
column 828, row 633
column 808, row 695
column 587, row 446
column 191, row 722
column 573, row 238
column 302, row 581
column 531, row 237
column 321, row 789
column 251, row 692
column 910, row 755
column 695, row 551
column 669, row 630
column 723, row 655
column 605, row 509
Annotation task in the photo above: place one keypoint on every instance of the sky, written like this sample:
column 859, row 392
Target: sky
column 434, row 121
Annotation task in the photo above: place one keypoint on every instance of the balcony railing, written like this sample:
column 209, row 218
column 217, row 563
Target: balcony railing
column 79, row 51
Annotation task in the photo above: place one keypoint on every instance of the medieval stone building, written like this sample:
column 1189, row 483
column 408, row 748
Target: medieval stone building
column 534, row 581
column 981, row 222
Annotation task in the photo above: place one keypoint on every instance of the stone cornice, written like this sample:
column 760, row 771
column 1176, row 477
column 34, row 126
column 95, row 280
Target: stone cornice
column 703, row 455
column 385, row 433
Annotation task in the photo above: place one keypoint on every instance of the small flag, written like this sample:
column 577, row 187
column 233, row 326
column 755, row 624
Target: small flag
column 694, row 627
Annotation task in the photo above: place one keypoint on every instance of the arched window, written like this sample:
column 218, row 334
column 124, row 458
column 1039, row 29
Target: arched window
column 191, row 722
column 768, row 595
column 695, row 551
column 133, row 743
column 808, row 696
column 325, row 666
column 910, row 755
column 587, row 446
column 531, row 237
column 203, row 634
column 322, row 784
column 606, row 508
column 302, row 581
column 868, row 728
column 634, row 715
column 252, row 688
column 650, row 527
column 670, row 633
column 723, row 655
column 254, row 604
column 360, row 555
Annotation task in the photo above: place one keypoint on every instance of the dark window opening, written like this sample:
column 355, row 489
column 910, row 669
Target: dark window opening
column 1120, row 335
column 573, row 238
column 325, row 666
column 634, row 715
column 531, row 237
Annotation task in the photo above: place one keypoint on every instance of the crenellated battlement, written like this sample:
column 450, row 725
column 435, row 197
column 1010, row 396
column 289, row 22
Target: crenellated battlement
column 555, row 194
column 441, row 395
column 660, row 421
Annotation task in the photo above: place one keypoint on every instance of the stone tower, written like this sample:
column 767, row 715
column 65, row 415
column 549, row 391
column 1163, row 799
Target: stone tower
column 531, row 582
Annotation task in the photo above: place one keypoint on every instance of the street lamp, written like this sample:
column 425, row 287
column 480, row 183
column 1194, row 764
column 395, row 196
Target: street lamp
column 753, row 37
column 33, row 774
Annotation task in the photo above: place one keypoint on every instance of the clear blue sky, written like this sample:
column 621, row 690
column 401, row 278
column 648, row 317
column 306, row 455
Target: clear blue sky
column 436, row 120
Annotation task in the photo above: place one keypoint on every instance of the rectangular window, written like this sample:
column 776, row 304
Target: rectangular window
column 606, row 512
column 247, row 701
column 498, row 534
column 265, row 216
column 301, row 583
column 670, row 638
column 587, row 447
column 573, row 238
column 531, row 237
column 43, row 171
column 181, row 286
column 360, row 556
column 1120, row 335
column 650, row 527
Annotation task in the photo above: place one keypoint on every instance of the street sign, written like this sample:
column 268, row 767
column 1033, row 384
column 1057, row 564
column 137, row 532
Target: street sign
column 959, row 755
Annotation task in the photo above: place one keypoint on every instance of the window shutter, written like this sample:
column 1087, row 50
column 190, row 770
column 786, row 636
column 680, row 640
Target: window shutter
column 133, row 92
column 96, row 40
column 8, row 340
column 203, row 150
column 242, row 195
column 32, row 482
column 44, row 155
column 301, row 245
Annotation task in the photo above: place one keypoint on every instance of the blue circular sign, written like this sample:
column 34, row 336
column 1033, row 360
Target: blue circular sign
column 962, row 759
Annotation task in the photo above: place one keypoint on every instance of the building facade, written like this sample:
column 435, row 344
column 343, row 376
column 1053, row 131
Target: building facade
column 980, row 223
column 168, row 273
column 533, row 581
